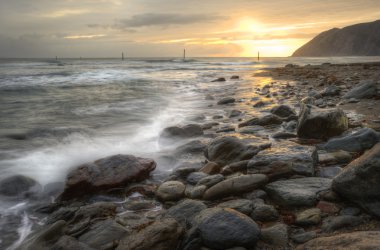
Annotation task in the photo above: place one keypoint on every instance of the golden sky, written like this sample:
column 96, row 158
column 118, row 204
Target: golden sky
column 159, row 28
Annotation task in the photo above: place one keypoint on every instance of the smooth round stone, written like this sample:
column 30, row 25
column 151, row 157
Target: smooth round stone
column 170, row 191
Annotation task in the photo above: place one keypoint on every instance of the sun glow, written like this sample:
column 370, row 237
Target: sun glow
column 249, row 25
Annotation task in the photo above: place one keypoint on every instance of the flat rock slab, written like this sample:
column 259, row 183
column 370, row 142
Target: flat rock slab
column 110, row 172
column 235, row 185
column 283, row 159
column 297, row 192
column 355, row 240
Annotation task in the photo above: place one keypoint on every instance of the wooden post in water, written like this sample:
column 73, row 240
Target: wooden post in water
column 258, row 56
column 122, row 56
column 56, row 58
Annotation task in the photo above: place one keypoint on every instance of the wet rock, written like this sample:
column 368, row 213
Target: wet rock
column 241, row 205
column 359, row 182
column 276, row 236
column 352, row 211
column 170, row 191
column 259, row 104
column 283, row 135
column 262, row 121
column 106, row 173
column 103, row 235
column 235, row 185
column 234, row 77
column 226, row 100
column 220, row 79
column 321, row 123
column 355, row 240
column 315, row 94
column 297, row 192
column 196, row 192
column 211, row 180
column 240, row 166
column 284, row 159
column 70, row 243
column 175, row 132
column 331, row 224
column 185, row 211
column 366, row 89
column 339, row 156
column 220, row 228
column 194, row 177
column 359, row 141
column 209, row 97
column 331, row 90
column 162, row 235
column 329, row 172
column 263, row 212
column 211, row 168
column 308, row 217
column 328, row 207
column 251, row 129
column 192, row 147
column 283, row 111
column 225, row 150
column 137, row 205
column 303, row 237
column 234, row 113
column 225, row 129
column 19, row 185
column 184, row 169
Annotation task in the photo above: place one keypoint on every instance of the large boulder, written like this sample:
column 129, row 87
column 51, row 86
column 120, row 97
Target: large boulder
column 235, row 185
column 266, row 120
column 176, row 132
column 227, row 149
column 223, row 228
column 284, row 159
column 185, row 211
column 297, row 192
column 110, row 172
column 357, row 142
column 359, row 182
column 19, row 185
column 355, row 240
column 366, row 89
column 283, row 111
column 319, row 123
column 163, row 234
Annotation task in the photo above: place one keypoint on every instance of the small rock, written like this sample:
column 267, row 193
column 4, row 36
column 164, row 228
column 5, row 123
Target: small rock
column 211, row 180
column 282, row 111
column 276, row 235
column 241, row 205
column 226, row 100
column 170, row 191
column 308, row 217
column 263, row 212
column 331, row 224
column 211, row 168
column 194, row 177
column 220, row 79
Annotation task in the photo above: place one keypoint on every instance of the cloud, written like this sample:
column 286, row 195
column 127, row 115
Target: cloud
column 84, row 36
column 165, row 19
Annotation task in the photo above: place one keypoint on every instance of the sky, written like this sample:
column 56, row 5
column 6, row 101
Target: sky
column 163, row 28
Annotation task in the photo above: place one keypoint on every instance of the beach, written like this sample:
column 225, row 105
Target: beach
column 208, row 154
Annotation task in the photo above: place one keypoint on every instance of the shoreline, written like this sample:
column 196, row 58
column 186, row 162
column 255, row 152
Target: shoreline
column 235, row 180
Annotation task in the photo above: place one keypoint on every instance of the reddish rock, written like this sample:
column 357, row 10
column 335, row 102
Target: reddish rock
column 211, row 168
column 328, row 207
column 110, row 172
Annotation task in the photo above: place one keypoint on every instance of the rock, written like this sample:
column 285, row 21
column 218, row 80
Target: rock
column 185, row 211
column 137, row 205
column 331, row 224
column 225, row 129
column 175, row 132
column 184, row 169
column 303, row 237
column 262, row 121
column 366, row 89
column 297, row 192
column 359, row 182
column 225, row 150
column 339, row 156
column 284, row 159
column 234, row 77
column 263, row 212
column 276, row 235
column 209, row 97
column 110, row 172
column 308, row 217
column 196, row 192
column 283, row 135
column 226, row 100
column 19, row 185
column 211, row 168
column 356, row 240
column 321, row 123
column 251, row 129
column 235, row 185
column 328, row 207
column 103, row 235
column 329, row 172
column 220, row 79
column 314, row 94
column 194, row 177
column 192, row 147
column 358, row 142
column 170, row 191
column 283, row 111
column 161, row 235
column 352, row 211
column 241, row 205
column 234, row 113
column 222, row 228
column 211, row 180
column 259, row 104
column 70, row 243
column 331, row 90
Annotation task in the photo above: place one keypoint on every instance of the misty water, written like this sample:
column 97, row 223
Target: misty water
column 57, row 114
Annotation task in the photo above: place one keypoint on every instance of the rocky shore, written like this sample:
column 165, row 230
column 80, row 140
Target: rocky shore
column 290, row 163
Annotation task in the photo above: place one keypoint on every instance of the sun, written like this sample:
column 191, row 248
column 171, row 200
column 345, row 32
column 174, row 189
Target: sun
column 248, row 24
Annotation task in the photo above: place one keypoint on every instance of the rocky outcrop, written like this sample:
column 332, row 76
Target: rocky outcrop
column 110, row 172
column 319, row 123
column 359, row 182
column 355, row 40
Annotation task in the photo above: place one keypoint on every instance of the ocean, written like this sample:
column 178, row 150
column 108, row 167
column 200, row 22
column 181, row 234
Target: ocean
column 57, row 114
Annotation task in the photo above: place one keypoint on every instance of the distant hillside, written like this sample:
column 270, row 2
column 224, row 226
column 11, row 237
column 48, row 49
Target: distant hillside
column 356, row 40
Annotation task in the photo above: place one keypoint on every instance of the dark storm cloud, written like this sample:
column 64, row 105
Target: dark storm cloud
column 165, row 19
